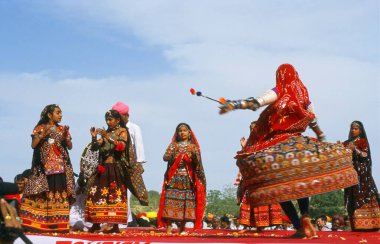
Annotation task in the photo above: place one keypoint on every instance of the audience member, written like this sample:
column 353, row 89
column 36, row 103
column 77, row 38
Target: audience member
column 321, row 223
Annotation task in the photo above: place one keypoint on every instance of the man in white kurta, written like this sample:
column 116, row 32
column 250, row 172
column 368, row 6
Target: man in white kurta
column 137, row 142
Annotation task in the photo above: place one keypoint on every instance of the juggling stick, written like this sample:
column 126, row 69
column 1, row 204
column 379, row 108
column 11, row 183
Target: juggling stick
column 199, row 94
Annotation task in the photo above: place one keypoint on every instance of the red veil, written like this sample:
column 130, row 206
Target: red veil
column 198, row 177
column 286, row 117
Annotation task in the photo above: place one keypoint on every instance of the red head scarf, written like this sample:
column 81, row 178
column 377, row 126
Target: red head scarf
column 286, row 117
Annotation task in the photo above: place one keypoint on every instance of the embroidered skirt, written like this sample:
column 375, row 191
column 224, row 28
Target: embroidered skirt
column 366, row 217
column 179, row 204
column 107, row 198
column 262, row 216
column 48, row 211
column 296, row 168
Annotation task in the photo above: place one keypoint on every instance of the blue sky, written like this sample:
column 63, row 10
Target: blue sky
column 86, row 55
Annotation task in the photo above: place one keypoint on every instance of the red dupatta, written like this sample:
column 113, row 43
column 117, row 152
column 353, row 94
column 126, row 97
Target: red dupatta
column 198, row 178
column 286, row 117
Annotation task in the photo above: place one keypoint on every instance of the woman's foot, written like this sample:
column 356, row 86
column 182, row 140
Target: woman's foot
column 308, row 227
column 300, row 234
column 260, row 229
column 94, row 228
column 114, row 229
column 169, row 229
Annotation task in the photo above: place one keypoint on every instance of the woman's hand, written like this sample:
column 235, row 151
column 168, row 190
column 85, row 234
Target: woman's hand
column 351, row 146
column 102, row 132
column 93, row 132
column 243, row 141
column 225, row 108
column 66, row 129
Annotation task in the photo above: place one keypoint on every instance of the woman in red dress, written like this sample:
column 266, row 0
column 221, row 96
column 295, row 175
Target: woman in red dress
column 49, row 190
column 183, row 196
column 278, row 164
column 362, row 200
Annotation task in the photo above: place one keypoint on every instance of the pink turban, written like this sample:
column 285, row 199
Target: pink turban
column 121, row 108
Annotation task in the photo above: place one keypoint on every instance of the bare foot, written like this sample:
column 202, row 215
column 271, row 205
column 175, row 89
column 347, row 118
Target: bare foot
column 308, row 227
column 169, row 230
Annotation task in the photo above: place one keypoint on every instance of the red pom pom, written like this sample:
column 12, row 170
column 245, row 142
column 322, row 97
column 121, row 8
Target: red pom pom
column 101, row 169
column 120, row 147
column 192, row 91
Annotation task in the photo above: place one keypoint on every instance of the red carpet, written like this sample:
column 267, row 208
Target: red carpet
column 149, row 235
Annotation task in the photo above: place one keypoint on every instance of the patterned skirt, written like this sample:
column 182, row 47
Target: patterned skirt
column 49, row 211
column 262, row 216
column 296, row 168
column 107, row 198
column 179, row 204
column 366, row 217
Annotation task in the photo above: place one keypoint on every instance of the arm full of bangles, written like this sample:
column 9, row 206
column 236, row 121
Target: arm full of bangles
column 249, row 103
column 67, row 137
column 95, row 143
column 169, row 153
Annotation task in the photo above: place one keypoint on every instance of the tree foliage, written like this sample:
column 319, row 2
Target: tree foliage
column 221, row 202
column 154, row 202
column 218, row 202
column 328, row 204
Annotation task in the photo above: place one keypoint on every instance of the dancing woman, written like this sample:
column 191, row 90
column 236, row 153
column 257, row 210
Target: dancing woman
column 183, row 197
column 278, row 164
column 362, row 200
column 49, row 190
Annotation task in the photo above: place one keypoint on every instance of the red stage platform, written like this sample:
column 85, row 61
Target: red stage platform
column 149, row 235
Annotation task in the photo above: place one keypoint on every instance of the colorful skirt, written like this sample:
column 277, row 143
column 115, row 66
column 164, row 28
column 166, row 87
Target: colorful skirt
column 179, row 204
column 367, row 217
column 49, row 211
column 296, row 168
column 262, row 216
column 107, row 198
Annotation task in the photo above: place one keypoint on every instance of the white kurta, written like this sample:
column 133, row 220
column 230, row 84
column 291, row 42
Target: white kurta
column 138, row 146
column 137, row 141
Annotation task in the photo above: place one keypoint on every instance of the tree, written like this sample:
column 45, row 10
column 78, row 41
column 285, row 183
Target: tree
column 328, row 204
column 154, row 201
column 222, row 202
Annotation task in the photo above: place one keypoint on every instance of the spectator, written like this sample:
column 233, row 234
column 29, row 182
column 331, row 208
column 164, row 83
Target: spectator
column 19, row 181
column 26, row 175
column 337, row 223
column 216, row 223
column 347, row 223
column 321, row 223
column 225, row 223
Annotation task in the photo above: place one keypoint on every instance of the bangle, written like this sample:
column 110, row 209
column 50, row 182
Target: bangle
column 111, row 140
